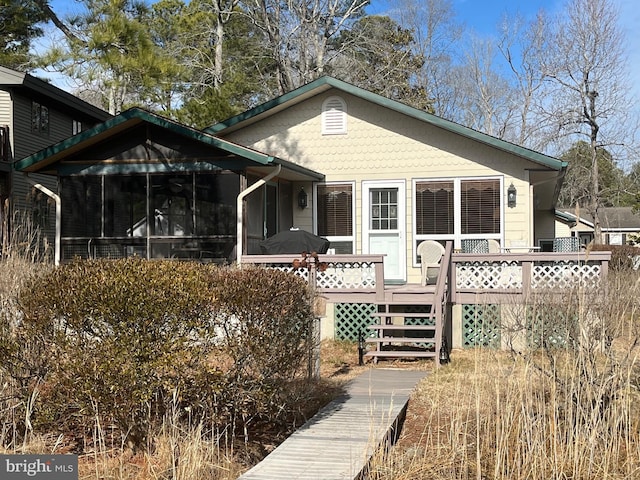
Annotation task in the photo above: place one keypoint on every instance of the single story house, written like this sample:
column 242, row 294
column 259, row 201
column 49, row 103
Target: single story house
column 372, row 175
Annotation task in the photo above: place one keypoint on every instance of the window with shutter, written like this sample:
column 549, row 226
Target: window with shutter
column 457, row 208
column 334, row 116
column 335, row 215
column 434, row 208
column 480, row 206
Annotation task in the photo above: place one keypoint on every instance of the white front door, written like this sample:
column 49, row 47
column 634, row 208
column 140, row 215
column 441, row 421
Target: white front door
column 383, row 226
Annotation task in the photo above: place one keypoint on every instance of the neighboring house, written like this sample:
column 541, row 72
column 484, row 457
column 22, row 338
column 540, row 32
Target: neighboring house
column 33, row 115
column 620, row 226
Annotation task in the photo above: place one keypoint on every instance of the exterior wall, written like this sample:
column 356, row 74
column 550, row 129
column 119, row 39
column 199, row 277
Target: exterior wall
column 384, row 145
column 5, row 108
column 561, row 230
column 547, row 227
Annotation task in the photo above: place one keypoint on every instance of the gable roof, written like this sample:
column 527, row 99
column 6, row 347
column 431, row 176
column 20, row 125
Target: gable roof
column 326, row 83
column 20, row 80
column 237, row 155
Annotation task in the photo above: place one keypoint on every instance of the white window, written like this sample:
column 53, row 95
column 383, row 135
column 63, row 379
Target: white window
column 457, row 209
column 334, row 116
column 76, row 127
column 335, row 215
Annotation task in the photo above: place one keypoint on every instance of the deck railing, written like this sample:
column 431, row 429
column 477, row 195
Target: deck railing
column 511, row 274
column 479, row 278
column 348, row 278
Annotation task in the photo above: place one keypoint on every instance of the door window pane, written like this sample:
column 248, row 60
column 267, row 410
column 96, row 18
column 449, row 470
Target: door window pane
column 384, row 209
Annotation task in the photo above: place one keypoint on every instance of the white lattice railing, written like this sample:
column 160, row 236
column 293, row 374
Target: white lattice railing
column 523, row 273
column 352, row 278
column 348, row 275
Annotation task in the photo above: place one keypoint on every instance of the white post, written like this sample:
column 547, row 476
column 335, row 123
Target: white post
column 58, row 200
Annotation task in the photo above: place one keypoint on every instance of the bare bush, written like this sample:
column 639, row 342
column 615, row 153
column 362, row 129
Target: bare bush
column 562, row 402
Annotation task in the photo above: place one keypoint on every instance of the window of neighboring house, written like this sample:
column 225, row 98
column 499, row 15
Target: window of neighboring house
column 454, row 209
column 334, row 116
column 335, row 215
column 76, row 127
column 39, row 118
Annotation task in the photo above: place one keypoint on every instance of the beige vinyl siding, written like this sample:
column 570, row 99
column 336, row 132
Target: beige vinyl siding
column 381, row 144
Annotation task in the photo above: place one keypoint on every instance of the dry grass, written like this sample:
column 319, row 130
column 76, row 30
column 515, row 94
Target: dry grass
column 566, row 414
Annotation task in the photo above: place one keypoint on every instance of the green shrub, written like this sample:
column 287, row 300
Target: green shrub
column 123, row 341
column 265, row 317
column 117, row 336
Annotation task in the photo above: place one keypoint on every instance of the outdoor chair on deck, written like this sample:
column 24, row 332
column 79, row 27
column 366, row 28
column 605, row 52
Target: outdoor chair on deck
column 566, row 244
column 475, row 245
column 431, row 253
column 493, row 246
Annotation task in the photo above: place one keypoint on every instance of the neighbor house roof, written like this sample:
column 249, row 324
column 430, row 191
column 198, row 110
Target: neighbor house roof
column 611, row 218
column 326, row 83
column 20, row 80
column 48, row 157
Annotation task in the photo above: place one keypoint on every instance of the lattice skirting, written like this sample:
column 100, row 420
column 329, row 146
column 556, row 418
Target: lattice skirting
column 351, row 319
column 481, row 326
column 549, row 327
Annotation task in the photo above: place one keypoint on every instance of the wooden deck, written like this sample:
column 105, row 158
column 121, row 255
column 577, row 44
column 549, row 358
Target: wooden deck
column 464, row 278
column 338, row 442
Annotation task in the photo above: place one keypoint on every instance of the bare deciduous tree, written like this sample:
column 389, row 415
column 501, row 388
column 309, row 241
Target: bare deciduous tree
column 589, row 95
column 299, row 32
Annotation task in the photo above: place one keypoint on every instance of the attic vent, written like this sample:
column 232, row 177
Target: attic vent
column 334, row 116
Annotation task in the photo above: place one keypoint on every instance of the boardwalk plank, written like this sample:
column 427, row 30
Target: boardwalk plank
column 337, row 443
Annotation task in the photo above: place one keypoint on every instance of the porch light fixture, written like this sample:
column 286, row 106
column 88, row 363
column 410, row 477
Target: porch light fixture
column 511, row 196
column 302, row 198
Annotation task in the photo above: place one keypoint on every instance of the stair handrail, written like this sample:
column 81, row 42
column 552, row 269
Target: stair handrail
column 439, row 299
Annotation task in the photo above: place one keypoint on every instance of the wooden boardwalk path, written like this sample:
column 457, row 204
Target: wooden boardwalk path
column 337, row 443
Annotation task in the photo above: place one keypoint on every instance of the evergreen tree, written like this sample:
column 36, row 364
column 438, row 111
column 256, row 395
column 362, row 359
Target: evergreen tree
column 19, row 26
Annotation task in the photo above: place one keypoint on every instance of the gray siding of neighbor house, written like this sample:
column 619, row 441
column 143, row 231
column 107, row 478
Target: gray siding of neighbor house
column 26, row 142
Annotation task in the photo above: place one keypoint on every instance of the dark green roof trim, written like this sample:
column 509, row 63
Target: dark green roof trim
column 294, row 167
column 136, row 114
column 324, row 83
column 564, row 216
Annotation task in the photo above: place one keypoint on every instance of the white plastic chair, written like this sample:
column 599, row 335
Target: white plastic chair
column 431, row 253
column 494, row 246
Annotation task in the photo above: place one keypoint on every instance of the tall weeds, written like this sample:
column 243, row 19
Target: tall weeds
column 551, row 406
column 20, row 259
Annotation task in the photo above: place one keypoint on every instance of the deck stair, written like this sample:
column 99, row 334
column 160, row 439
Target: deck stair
column 411, row 329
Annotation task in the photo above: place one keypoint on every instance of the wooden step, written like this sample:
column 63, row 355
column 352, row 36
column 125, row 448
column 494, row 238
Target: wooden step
column 399, row 340
column 400, row 354
column 402, row 327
